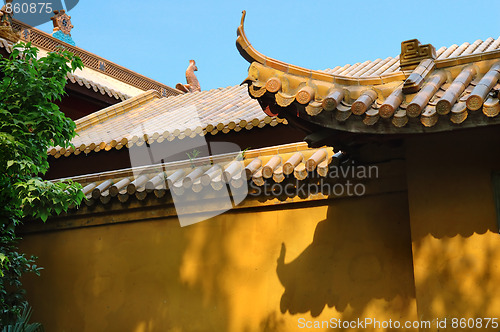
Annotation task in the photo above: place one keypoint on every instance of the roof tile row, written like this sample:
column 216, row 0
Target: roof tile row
column 431, row 95
column 150, row 118
column 103, row 89
column 274, row 165
column 391, row 65
column 92, row 80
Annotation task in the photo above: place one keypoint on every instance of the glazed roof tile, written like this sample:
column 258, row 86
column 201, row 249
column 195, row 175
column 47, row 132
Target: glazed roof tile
column 102, row 75
column 155, row 119
column 103, row 84
column 273, row 165
column 426, row 91
column 92, row 79
column 445, row 100
column 390, row 65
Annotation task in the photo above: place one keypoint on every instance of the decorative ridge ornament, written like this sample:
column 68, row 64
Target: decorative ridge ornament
column 249, row 53
column 6, row 29
column 62, row 26
column 412, row 53
column 193, row 85
column 6, row 15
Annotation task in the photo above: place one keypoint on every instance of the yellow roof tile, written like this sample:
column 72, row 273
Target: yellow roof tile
column 277, row 163
column 186, row 115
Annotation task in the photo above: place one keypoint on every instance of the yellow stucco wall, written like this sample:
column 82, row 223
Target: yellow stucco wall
column 246, row 270
column 456, row 245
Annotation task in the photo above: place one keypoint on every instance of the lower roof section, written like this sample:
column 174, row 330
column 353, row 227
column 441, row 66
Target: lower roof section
column 252, row 168
column 202, row 188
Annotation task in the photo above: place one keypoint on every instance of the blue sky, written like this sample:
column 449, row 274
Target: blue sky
column 157, row 38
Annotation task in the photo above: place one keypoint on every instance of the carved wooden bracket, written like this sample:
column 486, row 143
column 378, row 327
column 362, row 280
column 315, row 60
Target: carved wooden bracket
column 412, row 53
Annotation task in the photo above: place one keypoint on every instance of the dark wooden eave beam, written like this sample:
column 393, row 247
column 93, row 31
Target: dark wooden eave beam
column 90, row 95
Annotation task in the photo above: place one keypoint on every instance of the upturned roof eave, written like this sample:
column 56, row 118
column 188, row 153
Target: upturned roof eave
column 424, row 91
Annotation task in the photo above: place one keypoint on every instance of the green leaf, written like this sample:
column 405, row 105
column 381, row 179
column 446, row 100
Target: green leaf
column 30, row 123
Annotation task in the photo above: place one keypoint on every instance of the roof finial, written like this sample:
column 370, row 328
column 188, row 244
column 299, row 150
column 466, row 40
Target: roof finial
column 6, row 30
column 192, row 82
column 62, row 26
column 412, row 53
column 243, row 14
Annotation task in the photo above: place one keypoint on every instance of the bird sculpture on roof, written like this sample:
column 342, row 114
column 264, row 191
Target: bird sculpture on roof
column 192, row 82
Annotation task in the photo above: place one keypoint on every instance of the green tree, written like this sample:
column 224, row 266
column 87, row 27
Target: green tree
column 30, row 123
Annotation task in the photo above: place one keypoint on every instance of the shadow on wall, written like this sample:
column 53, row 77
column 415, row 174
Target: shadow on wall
column 450, row 185
column 360, row 252
column 456, row 246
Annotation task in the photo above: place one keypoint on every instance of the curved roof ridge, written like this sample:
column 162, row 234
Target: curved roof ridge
column 249, row 53
column 359, row 73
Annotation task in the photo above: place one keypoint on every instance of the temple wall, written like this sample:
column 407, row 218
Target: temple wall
column 254, row 269
column 431, row 253
column 456, row 245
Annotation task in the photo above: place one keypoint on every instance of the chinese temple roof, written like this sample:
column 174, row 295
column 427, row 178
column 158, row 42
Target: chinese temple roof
column 150, row 118
column 99, row 74
column 421, row 90
column 92, row 80
column 273, row 164
column 200, row 182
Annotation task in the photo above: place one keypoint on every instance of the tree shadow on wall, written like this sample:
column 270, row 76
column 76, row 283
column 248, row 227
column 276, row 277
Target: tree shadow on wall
column 360, row 252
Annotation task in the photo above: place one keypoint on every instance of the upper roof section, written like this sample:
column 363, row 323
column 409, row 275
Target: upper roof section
column 149, row 118
column 378, row 71
column 101, row 74
column 91, row 79
column 420, row 90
